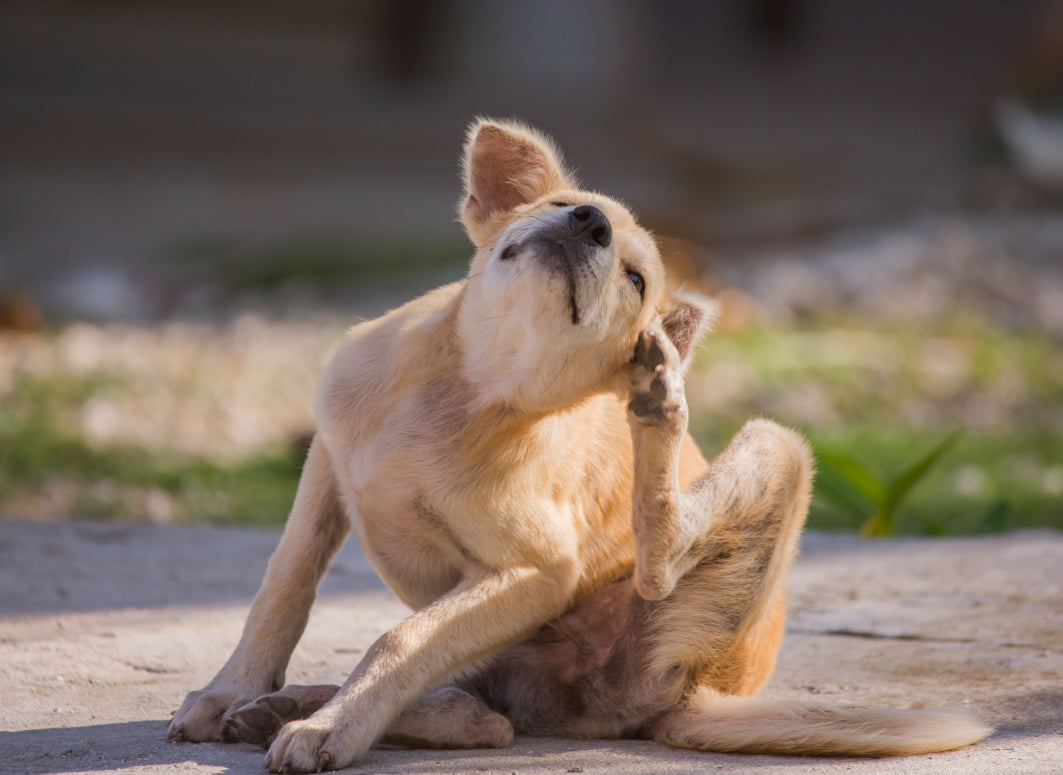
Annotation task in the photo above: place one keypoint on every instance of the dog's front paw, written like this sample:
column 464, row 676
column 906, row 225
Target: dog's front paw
column 259, row 722
column 200, row 717
column 313, row 745
column 657, row 395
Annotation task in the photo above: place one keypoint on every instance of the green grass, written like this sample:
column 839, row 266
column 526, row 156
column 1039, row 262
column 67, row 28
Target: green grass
column 987, row 482
column 879, row 499
column 885, row 397
column 44, row 461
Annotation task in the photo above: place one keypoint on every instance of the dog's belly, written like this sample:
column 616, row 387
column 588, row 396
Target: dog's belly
column 583, row 674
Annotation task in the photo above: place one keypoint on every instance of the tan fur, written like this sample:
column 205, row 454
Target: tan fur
column 715, row 722
column 511, row 452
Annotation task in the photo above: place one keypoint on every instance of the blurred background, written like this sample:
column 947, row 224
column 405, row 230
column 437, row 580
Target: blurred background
column 197, row 197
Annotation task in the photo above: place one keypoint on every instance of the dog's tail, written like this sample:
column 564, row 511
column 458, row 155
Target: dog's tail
column 730, row 724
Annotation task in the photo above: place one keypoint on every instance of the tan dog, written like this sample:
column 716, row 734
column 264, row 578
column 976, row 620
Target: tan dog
column 511, row 451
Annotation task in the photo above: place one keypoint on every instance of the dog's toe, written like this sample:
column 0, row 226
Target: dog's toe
column 199, row 718
column 259, row 722
column 254, row 723
column 649, row 350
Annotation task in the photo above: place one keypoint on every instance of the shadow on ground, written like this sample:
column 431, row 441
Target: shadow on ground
column 94, row 566
column 93, row 748
column 85, row 749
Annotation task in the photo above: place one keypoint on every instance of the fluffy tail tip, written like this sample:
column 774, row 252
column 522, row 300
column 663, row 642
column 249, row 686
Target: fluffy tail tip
column 753, row 725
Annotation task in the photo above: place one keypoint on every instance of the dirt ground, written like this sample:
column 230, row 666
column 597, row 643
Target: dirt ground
column 105, row 626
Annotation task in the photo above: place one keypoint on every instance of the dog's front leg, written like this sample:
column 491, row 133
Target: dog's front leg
column 315, row 530
column 481, row 615
column 657, row 415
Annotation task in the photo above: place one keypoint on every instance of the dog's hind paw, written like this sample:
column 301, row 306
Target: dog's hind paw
column 259, row 722
column 657, row 394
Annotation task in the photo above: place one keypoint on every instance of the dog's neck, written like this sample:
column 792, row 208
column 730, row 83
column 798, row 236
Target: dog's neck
column 529, row 372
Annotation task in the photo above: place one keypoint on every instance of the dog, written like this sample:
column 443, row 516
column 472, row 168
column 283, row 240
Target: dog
column 511, row 451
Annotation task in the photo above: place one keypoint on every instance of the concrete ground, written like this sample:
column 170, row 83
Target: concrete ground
column 104, row 627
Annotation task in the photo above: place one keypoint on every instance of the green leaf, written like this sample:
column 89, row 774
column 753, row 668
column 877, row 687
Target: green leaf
column 877, row 526
column 934, row 527
column 996, row 515
column 836, row 491
column 857, row 475
column 899, row 488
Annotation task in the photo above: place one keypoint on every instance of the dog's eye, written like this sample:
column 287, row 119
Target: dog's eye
column 560, row 204
column 638, row 281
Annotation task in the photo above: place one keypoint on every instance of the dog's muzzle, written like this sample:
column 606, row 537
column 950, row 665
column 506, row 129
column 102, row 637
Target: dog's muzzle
column 570, row 246
column 569, row 243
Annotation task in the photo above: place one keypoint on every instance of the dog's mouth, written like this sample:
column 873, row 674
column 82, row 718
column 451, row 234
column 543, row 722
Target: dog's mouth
column 575, row 310
column 572, row 301
column 567, row 262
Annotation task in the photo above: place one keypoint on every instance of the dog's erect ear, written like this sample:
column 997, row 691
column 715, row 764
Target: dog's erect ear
column 686, row 317
column 505, row 165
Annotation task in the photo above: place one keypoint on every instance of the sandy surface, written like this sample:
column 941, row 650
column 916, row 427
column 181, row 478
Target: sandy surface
column 104, row 627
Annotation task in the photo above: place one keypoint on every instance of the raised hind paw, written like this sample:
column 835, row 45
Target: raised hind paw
column 258, row 722
column 657, row 395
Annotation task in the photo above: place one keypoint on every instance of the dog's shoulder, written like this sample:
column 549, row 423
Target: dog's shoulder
column 382, row 359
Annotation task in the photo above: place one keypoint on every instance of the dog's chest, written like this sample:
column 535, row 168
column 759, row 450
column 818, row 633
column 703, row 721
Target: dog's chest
column 425, row 523
column 437, row 493
column 413, row 553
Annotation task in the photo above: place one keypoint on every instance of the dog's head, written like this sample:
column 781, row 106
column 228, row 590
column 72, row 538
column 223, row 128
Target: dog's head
column 563, row 279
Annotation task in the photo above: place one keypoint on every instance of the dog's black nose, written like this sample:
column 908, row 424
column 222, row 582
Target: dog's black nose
column 590, row 223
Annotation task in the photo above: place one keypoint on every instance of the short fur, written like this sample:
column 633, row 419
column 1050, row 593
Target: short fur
column 511, row 452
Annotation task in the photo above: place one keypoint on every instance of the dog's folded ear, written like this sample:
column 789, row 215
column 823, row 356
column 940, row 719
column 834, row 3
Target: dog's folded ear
column 506, row 164
column 686, row 317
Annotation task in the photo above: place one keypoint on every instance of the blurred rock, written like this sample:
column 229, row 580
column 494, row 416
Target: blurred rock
column 19, row 312
column 1034, row 141
column 738, row 310
column 100, row 293
column 1007, row 268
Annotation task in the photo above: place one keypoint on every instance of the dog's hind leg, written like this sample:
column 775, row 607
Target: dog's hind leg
column 446, row 718
column 710, row 566
column 315, row 530
column 740, row 523
column 722, row 623
column 450, row 718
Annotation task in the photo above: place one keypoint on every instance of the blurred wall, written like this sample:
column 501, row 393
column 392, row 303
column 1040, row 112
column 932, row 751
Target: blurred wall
column 128, row 128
